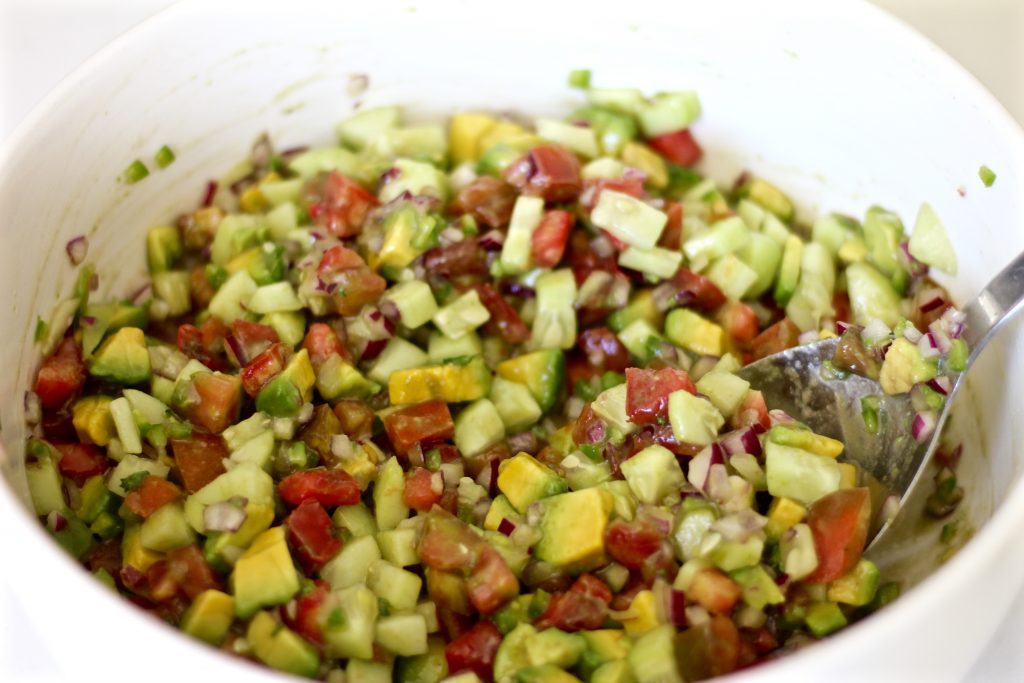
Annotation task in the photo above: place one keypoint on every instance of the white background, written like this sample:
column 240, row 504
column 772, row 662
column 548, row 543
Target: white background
column 41, row 41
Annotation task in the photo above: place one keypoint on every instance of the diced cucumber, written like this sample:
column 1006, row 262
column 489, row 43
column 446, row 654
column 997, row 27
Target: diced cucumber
column 478, row 427
column 414, row 301
column 399, row 587
column 605, row 167
column 725, row 237
column 336, row 378
column 273, row 298
column 516, row 252
column 357, row 519
column 759, row 589
column 732, row 276
column 628, row 100
column 628, row 219
column 289, row 325
column 403, row 634
column 325, row 159
column 258, row 450
column 461, row 316
column 351, row 566
column 416, row 178
column 389, row 508
column 668, row 113
column 730, row 556
column 147, row 409
column 724, row 389
column 440, row 348
column 691, row 526
column 351, row 630
column 800, row 475
column 657, row 262
column 555, row 323
column 235, row 234
column 163, row 248
column 652, row 658
column 45, row 486
column 166, row 529
column 929, row 242
column 363, row 671
column 398, row 546
column 124, row 422
column 789, row 270
column 515, row 404
column 694, row 420
column 614, row 129
column 871, row 296
column 812, row 299
column 229, row 302
column 283, row 220
column 883, row 232
column 173, row 287
column 653, row 474
column 833, row 231
column 426, row 143
column 397, row 355
column 278, row 192
column 578, row 139
column 610, row 406
column 640, row 307
column 543, row 373
column 359, row 129
column 637, row 339
column 133, row 464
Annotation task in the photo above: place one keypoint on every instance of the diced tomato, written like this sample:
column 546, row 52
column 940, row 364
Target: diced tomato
column 488, row 459
column 264, row 368
column 708, row 650
column 630, row 543
column 447, row 543
column 447, row 590
column 618, row 244
column 592, row 189
column 679, row 147
column 321, row 343
column 590, row 585
column 647, row 392
column 356, row 284
column 841, row 306
column 738, row 320
column 58, row 425
column 492, row 583
column 573, row 611
column 200, row 459
column 183, row 572
column 589, row 428
column 752, row 411
column 356, row 418
column 344, row 206
column 253, row 338
column 80, row 461
column 475, row 650
column 464, row 257
column 696, row 291
column 548, row 241
column 420, row 492
column 151, row 496
column 548, row 171
column 488, row 200
column 311, row 534
column 307, row 620
column 200, row 289
column 624, row 598
column 505, row 320
column 672, row 235
column 585, row 260
column 219, row 399
column 661, row 435
column 330, row 488
column 714, row 591
column 62, row 374
column 318, row 433
column 779, row 337
column 422, row 423
column 603, row 350
column 839, row 523
column 205, row 344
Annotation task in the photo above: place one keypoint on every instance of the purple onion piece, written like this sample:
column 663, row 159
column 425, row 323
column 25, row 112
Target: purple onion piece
column 142, row 294
column 924, row 425
column 374, row 347
column 677, row 608
column 77, row 249
column 511, row 288
column 211, row 192
column 941, row 385
column 491, row 240
column 506, row 526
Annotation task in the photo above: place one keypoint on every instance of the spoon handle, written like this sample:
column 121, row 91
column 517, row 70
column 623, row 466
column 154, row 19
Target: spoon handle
column 994, row 304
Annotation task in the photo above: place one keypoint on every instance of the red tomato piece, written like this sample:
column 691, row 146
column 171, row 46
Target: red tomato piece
column 590, row 585
column 672, row 235
column 264, row 368
column 696, row 290
column 679, row 147
column 80, row 461
column 779, row 337
column 61, row 375
column 311, row 534
column 465, row 257
column 753, row 411
column 488, row 200
column 200, row 459
column 195, row 344
column 307, row 621
column 839, row 523
column 337, row 259
column 321, row 343
column 549, row 171
column 589, row 428
column 330, row 488
column 841, row 306
column 356, row 418
column 252, row 338
column 492, row 583
column 585, row 260
column 475, row 650
column 355, row 283
column 603, row 350
column 219, row 399
column 573, row 611
column 548, row 241
column 505, row 320
column 593, row 188
column 708, row 650
column 647, row 392
column 344, row 206
column 151, row 496
column 714, row 591
column 421, row 423
column 630, row 543
column 447, row 543
column 739, row 321
column 420, row 492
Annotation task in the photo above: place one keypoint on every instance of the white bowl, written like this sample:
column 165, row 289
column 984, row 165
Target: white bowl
column 836, row 102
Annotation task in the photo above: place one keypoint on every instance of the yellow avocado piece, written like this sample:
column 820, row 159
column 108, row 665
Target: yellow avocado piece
column 805, row 439
column 783, row 514
column 92, row 420
column 524, row 479
column 133, row 554
column 499, row 132
column 300, row 371
column 466, row 130
column 500, row 509
column 685, row 328
column 643, row 158
column 450, row 382
column 572, row 530
column 209, row 617
column 280, row 648
column 643, row 614
column 264, row 575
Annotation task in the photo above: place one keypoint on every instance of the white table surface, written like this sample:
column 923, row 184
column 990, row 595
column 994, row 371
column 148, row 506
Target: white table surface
column 987, row 36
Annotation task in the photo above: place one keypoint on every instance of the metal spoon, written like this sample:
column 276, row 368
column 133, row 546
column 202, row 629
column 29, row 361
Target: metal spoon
column 793, row 381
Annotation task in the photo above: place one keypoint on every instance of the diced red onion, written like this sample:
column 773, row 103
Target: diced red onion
column 697, row 474
column 492, row 240
column 874, row 331
column 697, row 615
column 931, row 299
column 808, row 337
column 742, row 440
column 924, row 425
column 702, row 366
column 506, row 526
column 373, row 349
column 237, row 349
column 677, row 608
column 523, row 442
column 210, row 193
column 341, row 447
column 842, row 326
column 142, row 294
column 915, row 267
column 739, row 526
column 779, row 417
column 534, row 513
column 450, row 236
column 56, row 522
column 512, row 288
column 223, row 516
column 940, row 338
column 602, row 246
column 305, row 413
column 293, row 151
column 77, row 249
column 941, row 385
column 33, row 408
column 718, row 486
column 452, row 472
column 928, row 346
column 88, row 320
column 389, row 175
column 437, row 483
column 912, row 334
column 631, row 173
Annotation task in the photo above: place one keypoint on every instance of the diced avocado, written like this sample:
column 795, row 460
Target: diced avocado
column 496, row 156
column 123, row 358
column 515, row 404
column 871, row 296
column 389, row 508
column 322, row 159
column 163, row 248
column 403, row 634
column 725, row 236
column 856, row 588
column 610, row 406
column 464, row 134
column 279, row 398
column 583, row 473
column 133, row 554
column 407, row 234
column 91, row 418
column 555, row 647
column 245, row 480
column 653, row 474
column 440, row 348
column 478, row 427
column 359, row 129
column 798, row 437
column 823, row 618
column 694, row 333
column 640, row 307
column 173, row 288
column 617, row 671
column 724, row 389
column 430, row 667
column 264, row 575
column 572, row 529
column 461, row 316
column 417, row 178
column 789, row 270
column 614, row 129
column 511, row 655
column 424, row 143
column 643, row 614
column 849, row 475
column 607, row 644
column 280, row 648
column 335, row 379
column 289, row 325
column 732, row 555
column 399, row 354
column 500, row 509
column 769, row 197
column 759, row 589
column 694, row 420
column 523, row 480
column 732, row 276
column 96, row 499
column 652, row 657
column 904, row 366
column 783, row 514
column 451, row 382
column 578, row 139
column 763, row 254
column 798, row 474
column 300, row 371
column 640, row 338
column 414, row 301
column 209, row 617
column 166, row 529
column 351, row 566
column 628, row 219
column 643, row 158
column 883, row 232
column 543, row 373
column 548, row 673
